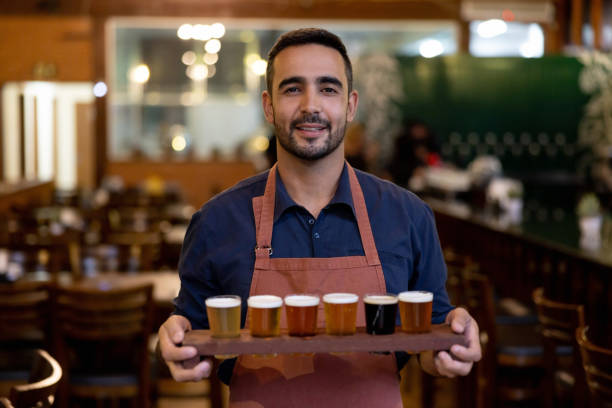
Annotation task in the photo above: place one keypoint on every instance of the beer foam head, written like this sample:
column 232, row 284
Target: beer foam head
column 416, row 296
column 264, row 301
column 380, row 299
column 223, row 301
column 301, row 300
column 340, row 298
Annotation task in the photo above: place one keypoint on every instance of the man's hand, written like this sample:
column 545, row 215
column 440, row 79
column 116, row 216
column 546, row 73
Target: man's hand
column 460, row 359
column 184, row 362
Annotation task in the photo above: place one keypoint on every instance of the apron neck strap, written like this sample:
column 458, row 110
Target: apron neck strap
column 263, row 210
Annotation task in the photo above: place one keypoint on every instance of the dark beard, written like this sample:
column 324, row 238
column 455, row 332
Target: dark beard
column 310, row 153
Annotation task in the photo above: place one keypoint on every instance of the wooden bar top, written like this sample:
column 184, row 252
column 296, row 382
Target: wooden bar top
column 440, row 338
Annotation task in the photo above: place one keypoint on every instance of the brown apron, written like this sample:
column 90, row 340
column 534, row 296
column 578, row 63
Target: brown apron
column 324, row 380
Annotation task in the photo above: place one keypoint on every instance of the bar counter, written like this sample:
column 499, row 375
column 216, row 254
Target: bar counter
column 518, row 258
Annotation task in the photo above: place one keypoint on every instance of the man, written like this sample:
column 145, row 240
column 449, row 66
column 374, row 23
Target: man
column 311, row 224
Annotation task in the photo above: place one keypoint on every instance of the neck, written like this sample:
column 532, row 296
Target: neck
column 311, row 184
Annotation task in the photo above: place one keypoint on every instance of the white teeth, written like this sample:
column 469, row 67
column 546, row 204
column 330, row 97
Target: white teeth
column 309, row 128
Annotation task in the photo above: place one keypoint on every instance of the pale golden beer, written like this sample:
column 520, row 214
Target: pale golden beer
column 224, row 315
column 415, row 311
column 264, row 315
column 302, row 313
column 340, row 313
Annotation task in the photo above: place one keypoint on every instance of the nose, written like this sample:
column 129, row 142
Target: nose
column 310, row 102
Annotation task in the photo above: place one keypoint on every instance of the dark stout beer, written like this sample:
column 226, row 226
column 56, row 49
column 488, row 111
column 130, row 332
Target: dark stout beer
column 380, row 313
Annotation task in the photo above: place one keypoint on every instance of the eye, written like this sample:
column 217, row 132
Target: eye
column 291, row 90
column 329, row 90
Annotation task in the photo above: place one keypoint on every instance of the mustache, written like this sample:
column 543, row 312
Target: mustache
column 310, row 118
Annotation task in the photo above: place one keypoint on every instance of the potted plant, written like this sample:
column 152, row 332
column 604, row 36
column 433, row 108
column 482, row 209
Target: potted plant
column 590, row 220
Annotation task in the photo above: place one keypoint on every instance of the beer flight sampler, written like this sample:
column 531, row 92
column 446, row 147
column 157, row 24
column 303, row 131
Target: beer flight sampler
column 302, row 330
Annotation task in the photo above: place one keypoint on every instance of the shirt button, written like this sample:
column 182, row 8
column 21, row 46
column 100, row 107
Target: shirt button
column 316, row 235
column 311, row 221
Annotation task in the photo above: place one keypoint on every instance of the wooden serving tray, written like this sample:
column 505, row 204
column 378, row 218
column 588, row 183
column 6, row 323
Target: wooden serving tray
column 440, row 338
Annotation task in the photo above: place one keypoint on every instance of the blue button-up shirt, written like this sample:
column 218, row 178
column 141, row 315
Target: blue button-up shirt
column 218, row 251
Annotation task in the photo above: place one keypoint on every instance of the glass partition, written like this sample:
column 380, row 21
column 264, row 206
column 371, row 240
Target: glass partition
column 192, row 89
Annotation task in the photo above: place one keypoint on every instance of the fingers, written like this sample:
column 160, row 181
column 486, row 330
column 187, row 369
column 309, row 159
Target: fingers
column 176, row 326
column 460, row 359
column 473, row 351
column 169, row 349
column 190, row 370
column 449, row 367
column 459, row 319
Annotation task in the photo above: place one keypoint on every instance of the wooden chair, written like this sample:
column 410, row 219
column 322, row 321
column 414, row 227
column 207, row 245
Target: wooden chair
column 597, row 364
column 40, row 390
column 137, row 251
column 456, row 264
column 101, row 340
column 559, row 322
column 511, row 368
column 53, row 253
column 24, row 327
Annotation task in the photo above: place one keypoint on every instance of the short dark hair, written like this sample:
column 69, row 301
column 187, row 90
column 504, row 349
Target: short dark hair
column 305, row 36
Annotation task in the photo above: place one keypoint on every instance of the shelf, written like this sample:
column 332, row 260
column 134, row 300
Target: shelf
column 440, row 338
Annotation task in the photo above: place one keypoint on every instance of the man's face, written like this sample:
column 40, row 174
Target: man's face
column 309, row 103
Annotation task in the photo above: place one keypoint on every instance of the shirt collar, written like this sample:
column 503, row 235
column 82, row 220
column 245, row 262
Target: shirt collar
column 283, row 200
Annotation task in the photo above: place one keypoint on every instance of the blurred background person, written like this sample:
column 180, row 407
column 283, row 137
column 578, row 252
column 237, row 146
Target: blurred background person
column 415, row 149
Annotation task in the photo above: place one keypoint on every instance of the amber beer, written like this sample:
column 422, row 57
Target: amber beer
column 380, row 313
column 264, row 312
column 302, row 314
column 340, row 313
column 415, row 311
column 224, row 315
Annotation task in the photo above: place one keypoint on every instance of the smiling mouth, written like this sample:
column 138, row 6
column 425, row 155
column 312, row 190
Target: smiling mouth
column 310, row 127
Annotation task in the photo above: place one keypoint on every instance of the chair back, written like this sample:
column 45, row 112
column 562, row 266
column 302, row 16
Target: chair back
column 477, row 297
column 456, row 265
column 24, row 326
column 597, row 364
column 559, row 322
column 102, row 333
column 104, row 314
column 44, row 379
column 137, row 251
column 24, row 312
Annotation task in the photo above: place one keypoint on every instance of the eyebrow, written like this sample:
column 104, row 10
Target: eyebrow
column 320, row 80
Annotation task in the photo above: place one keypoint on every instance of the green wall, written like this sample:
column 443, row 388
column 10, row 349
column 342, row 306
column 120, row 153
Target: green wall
column 524, row 111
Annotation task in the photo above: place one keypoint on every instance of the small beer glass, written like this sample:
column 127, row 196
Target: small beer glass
column 380, row 313
column 224, row 318
column 224, row 315
column 340, row 313
column 264, row 312
column 415, row 311
column 302, row 313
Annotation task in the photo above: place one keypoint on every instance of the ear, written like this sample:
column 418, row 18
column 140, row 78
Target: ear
column 351, row 110
column 266, row 102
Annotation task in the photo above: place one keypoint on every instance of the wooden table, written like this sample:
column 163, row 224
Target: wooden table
column 166, row 284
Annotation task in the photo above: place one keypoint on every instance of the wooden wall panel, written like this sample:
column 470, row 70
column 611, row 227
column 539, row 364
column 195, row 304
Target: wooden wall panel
column 62, row 42
column 199, row 181
column 24, row 194
column 301, row 9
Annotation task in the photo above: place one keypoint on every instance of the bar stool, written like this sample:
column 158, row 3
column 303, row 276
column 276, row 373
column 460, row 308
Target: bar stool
column 564, row 378
column 597, row 364
column 511, row 368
